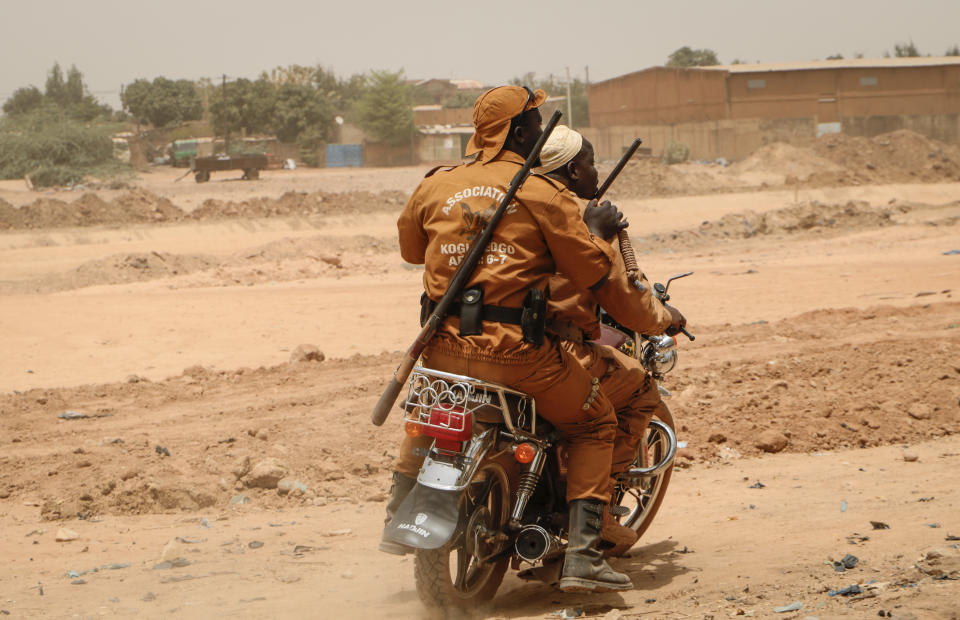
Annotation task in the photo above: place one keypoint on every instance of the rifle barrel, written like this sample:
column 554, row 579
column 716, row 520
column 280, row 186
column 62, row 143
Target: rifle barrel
column 618, row 168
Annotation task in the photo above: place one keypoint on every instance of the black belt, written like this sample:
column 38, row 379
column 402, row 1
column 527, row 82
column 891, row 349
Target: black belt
column 497, row 314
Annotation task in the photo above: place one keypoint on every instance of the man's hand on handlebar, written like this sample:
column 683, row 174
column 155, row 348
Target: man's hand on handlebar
column 604, row 220
column 677, row 320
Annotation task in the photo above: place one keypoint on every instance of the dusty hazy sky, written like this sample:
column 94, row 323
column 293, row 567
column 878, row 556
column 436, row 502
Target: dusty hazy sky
column 114, row 42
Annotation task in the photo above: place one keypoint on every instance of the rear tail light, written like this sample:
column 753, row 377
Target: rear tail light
column 453, row 424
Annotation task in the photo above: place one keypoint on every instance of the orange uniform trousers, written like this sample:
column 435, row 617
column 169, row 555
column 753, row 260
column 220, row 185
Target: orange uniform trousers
column 561, row 387
column 632, row 392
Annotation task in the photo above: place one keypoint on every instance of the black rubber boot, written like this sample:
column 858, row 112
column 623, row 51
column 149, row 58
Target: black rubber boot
column 584, row 569
column 401, row 487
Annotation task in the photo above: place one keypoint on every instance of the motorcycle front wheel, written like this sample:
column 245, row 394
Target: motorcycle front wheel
column 464, row 573
column 642, row 502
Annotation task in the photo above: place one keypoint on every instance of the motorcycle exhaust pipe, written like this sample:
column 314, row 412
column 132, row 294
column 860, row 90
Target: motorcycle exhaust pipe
column 533, row 543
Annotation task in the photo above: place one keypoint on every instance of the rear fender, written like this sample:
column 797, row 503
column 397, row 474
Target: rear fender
column 430, row 514
column 426, row 519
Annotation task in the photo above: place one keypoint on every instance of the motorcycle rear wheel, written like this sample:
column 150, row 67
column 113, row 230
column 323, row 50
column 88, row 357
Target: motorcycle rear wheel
column 644, row 501
column 454, row 576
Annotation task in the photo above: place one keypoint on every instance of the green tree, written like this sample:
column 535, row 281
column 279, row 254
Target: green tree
column 953, row 51
column 301, row 109
column 74, row 90
column 55, row 87
column 687, row 57
column 384, row 109
column 349, row 91
column 135, row 99
column 162, row 102
column 23, row 100
column 904, row 50
column 249, row 105
column 837, row 56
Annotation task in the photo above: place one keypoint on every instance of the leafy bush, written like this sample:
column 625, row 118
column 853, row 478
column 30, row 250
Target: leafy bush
column 675, row 153
column 54, row 149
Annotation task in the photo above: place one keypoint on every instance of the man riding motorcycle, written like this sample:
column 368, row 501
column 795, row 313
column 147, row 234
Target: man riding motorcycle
column 573, row 317
column 496, row 330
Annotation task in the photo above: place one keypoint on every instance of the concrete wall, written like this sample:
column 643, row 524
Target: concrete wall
column 443, row 116
column 707, row 140
column 737, row 139
column 441, row 148
column 384, row 155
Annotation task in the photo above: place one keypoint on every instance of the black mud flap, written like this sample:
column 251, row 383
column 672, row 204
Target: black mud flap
column 426, row 519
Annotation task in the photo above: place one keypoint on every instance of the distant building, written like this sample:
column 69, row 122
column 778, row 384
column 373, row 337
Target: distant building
column 730, row 110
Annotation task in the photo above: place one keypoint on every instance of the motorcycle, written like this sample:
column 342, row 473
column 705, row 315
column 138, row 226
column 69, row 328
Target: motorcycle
column 491, row 491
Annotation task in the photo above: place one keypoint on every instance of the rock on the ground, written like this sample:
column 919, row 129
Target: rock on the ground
column 920, row 411
column 291, row 486
column 266, row 474
column 241, row 468
column 307, row 353
column 772, row 441
column 172, row 550
column 66, row 535
column 910, row 457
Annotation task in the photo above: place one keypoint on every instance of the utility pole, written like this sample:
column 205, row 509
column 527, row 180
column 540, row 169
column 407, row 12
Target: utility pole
column 226, row 119
column 569, row 102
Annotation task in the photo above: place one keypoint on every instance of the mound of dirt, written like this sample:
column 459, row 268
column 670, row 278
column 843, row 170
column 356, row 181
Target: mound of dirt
column 833, row 160
column 775, row 163
column 647, row 178
column 279, row 261
column 898, row 157
column 115, row 269
column 301, row 203
column 89, row 210
column 141, row 206
column 813, row 218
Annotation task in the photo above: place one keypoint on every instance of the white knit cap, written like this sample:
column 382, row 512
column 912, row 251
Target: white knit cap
column 562, row 146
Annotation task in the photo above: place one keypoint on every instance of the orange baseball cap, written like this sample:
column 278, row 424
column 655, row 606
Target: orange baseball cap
column 492, row 113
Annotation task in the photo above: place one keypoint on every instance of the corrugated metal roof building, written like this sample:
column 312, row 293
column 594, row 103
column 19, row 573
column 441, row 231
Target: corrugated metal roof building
column 858, row 96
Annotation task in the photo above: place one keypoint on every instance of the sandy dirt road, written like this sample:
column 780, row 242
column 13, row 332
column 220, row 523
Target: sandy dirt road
column 836, row 326
column 718, row 549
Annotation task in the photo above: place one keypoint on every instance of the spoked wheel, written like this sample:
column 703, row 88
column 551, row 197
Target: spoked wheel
column 643, row 500
column 463, row 573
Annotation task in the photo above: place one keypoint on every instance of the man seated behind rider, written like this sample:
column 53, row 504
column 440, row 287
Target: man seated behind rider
column 573, row 317
column 541, row 231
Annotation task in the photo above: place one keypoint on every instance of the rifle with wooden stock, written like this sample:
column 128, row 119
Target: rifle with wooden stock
column 626, row 248
column 460, row 278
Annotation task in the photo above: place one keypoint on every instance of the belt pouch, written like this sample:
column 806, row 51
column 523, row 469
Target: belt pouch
column 471, row 311
column 426, row 308
column 533, row 319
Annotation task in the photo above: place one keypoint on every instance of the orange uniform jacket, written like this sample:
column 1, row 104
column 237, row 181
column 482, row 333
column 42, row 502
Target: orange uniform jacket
column 541, row 232
column 630, row 306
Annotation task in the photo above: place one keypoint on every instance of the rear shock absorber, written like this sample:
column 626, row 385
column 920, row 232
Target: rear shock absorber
column 526, row 486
